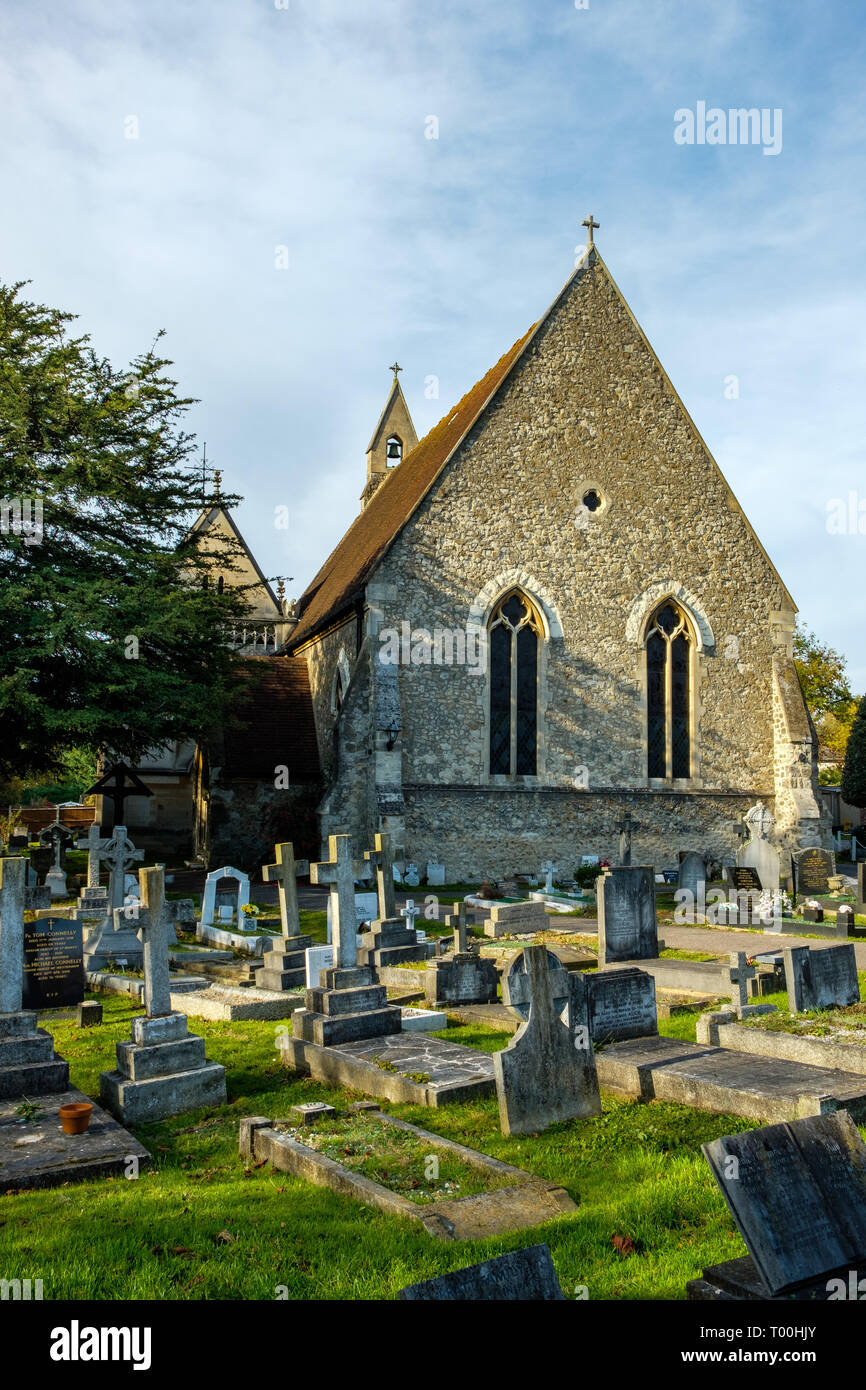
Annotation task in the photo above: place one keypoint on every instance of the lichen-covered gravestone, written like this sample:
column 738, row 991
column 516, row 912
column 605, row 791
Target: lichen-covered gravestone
column 627, row 925
column 547, row 1073
column 621, row 1004
column 821, row 979
column 28, row 1062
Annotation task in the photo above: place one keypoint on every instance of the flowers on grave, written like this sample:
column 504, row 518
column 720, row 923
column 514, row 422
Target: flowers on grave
column 250, row 910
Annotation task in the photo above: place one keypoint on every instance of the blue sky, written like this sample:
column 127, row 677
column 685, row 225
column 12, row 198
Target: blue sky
column 304, row 127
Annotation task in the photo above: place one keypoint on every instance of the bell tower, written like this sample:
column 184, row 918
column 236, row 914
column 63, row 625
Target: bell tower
column 393, row 438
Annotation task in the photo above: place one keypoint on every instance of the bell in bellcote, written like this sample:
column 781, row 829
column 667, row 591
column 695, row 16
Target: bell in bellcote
column 394, row 451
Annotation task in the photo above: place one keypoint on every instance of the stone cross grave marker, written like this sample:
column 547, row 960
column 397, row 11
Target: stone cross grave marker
column 410, row 912
column 457, row 920
column 284, row 873
column 797, row 1192
column 740, row 975
column 57, row 836
column 548, row 869
column 151, row 925
column 339, row 874
column 381, row 858
column 117, row 853
column 625, row 825
column 93, row 843
column 11, row 934
column 547, row 1073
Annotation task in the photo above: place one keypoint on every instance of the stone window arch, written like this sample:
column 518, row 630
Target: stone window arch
column 670, row 644
column 340, row 683
column 515, row 636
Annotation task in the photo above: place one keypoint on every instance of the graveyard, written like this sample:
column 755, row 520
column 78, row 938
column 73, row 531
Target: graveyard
column 326, row 1100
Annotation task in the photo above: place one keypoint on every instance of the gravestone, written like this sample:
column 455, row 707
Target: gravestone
column 284, row 966
column 845, row 920
column 860, row 905
column 37, row 897
column 163, row 1069
column 208, row 902
column 53, row 964
column 547, row 1073
column 410, row 877
column 41, row 861
column 317, row 959
column 391, row 938
column 627, row 926
column 366, row 911
column 692, row 872
column 348, row 1003
column 815, row 867
column 435, row 872
column 524, row 1275
column 28, row 1063
column 760, row 853
column 621, row 1004
column 93, row 843
column 464, row 977
column 822, row 979
column 797, row 1193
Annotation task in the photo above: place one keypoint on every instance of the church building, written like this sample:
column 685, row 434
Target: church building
column 551, row 614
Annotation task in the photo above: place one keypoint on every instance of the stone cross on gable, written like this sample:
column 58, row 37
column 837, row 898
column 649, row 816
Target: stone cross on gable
column 591, row 226
column 741, row 973
column 339, row 875
column 12, row 880
column 382, row 859
column 284, row 873
column 93, row 844
column 117, row 853
column 410, row 912
column 152, row 926
column 625, row 825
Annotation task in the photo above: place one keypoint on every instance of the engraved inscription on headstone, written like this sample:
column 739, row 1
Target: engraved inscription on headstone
column 814, row 870
column 621, row 1004
column 821, row 979
column 53, row 963
column 627, row 928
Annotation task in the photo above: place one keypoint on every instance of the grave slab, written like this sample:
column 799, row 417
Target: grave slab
column 36, row 1153
column 452, row 1072
column 221, row 1003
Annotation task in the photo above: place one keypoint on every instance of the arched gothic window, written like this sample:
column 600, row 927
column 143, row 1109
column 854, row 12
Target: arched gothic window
column 514, row 630
column 669, row 647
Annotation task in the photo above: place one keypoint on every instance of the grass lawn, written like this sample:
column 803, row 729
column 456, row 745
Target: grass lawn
column 202, row 1225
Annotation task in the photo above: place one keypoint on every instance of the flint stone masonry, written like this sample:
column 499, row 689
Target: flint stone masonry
column 627, row 926
column 822, row 979
column 621, row 1004
column 524, row 1275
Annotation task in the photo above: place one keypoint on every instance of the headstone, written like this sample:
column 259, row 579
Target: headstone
column 815, row 867
column 625, row 826
column 284, row 965
column 284, row 872
column 93, row 844
column 435, row 872
column 627, row 926
column 845, row 919
column 860, row 906
column 621, row 1004
column 208, row 902
column 692, row 873
column 117, row 853
column 366, row 911
column 37, row 898
column 53, row 964
column 524, row 1275
column 589, row 861
column 547, row 1073
column 821, row 979
column 41, row 861
column 760, row 853
column 410, row 877
column 740, row 975
column 28, row 1063
column 163, row 1070
column 797, row 1193
column 317, row 959
column 548, row 868
column 89, row 1013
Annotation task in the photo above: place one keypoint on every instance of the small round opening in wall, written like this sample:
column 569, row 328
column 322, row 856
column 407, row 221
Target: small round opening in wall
column 591, row 500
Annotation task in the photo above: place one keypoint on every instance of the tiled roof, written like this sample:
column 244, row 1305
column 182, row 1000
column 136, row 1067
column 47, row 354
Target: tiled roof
column 280, row 727
column 392, row 504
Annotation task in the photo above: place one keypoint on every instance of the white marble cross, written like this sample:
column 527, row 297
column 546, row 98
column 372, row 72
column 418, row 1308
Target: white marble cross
column 152, row 926
column 118, row 852
column 382, row 858
column 760, row 820
column 741, row 973
column 548, row 869
column 12, row 877
column 410, row 912
column 339, row 875
column 93, row 844
column 284, row 873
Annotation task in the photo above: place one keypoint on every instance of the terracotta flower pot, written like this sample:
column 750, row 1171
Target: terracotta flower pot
column 75, row 1117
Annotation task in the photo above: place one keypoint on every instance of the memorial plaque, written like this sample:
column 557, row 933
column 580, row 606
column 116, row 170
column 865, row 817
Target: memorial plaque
column 621, row 1004
column 822, row 979
column 627, row 926
column 797, row 1192
column 815, row 867
column 745, row 876
column 53, row 963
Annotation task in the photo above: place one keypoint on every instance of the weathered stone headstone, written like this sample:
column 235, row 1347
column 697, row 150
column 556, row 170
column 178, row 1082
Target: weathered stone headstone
column 410, row 877
column 845, row 920
column 547, row 1073
column 28, row 1062
column 692, row 872
column 760, row 853
column 627, row 926
column 797, row 1193
column 821, row 979
column 435, row 872
column 37, row 897
column 284, row 966
column 860, row 906
column 621, row 1004
column 524, row 1275
column 317, row 959
column 814, row 868
column 53, row 963
column 163, row 1070
column 240, row 900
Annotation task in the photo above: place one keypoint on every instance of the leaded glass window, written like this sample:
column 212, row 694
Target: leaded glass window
column 668, row 689
column 514, row 652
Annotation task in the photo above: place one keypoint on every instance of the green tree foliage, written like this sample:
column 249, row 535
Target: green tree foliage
column 822, row 674
column 853, row 786
column 110, row 633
